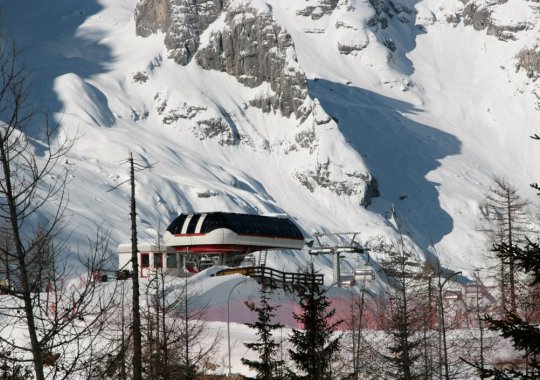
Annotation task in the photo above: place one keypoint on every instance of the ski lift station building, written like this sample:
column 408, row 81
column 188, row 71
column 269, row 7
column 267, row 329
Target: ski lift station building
column 193, row 242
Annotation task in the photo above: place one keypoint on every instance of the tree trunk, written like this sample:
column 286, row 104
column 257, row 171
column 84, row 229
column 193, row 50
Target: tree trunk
column 137, row 341
column 37, row 353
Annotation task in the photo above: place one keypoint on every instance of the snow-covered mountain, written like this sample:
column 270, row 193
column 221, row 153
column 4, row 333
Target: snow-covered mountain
column 334, row 112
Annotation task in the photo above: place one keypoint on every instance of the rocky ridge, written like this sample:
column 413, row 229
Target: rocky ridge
column 248, row 45
column 316, row 11
column 529, row 60
column 388, row 9
column 491, row 17
column 352, row 34
column 242, row 39
column 255, row 49
column 480, row 17
column 323, row 176
column 182, row 21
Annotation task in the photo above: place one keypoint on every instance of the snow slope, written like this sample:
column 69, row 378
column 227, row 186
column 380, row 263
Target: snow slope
column 432, row 121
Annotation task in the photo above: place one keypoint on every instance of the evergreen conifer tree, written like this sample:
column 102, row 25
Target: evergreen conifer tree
column 314, row 345
column 267, row 348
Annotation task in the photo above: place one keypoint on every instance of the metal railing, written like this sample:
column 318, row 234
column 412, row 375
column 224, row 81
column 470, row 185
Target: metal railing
column 263, row 273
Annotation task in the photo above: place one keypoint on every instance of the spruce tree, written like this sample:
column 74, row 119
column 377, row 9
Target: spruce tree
column 267, row 348
column 314, row 346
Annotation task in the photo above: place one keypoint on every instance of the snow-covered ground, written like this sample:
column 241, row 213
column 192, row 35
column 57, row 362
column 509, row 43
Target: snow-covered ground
column 208, row 297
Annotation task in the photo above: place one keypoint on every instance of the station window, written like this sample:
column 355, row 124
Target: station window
column 158, row 260
column 145, row 260
column 171, row 260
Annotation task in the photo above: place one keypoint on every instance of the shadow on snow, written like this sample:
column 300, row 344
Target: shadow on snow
column 46, row 34
column 399, row 152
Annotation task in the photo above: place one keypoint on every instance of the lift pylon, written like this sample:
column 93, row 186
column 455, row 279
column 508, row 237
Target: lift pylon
column 335, row 244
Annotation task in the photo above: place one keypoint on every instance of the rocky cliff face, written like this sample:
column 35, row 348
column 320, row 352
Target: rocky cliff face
column 248, row 44
column 182, row 21
column 388, row 9
column 323, row 7
column 349, row 183
column 492, row 18
column 254, row 49
column 241, row 38
column 529, row 60
column 480, row 17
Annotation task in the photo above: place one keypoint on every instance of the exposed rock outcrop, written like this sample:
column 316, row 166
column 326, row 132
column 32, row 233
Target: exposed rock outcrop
column 216, row 128
column 307, row 139
column 241, row 38
column 140, row 77
column 173, row 113
column 347, row 49
column 182, row 21
column 254, row 49
column 151, row 16
column 380, row 18
column 529, row 60
column 480, row 18
column 324, row 7
column 250, row 46
column 206, row 124
column 207, row 194
column 387, row 13
column 356, row 184
column 386, row 9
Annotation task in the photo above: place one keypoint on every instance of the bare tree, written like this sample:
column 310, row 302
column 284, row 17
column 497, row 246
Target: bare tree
column 407, row 303
column 12, row 367
column 51, row 305
column 357, row 354
column 198, row 354
column 20, row 188
column 508, row 218
column 111, row 355
column 176, row 331
column 6, row 261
